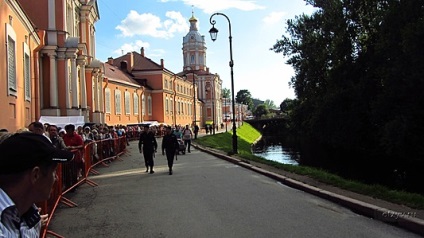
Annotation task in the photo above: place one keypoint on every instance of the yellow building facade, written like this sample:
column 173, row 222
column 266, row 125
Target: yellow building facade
column 19, row 67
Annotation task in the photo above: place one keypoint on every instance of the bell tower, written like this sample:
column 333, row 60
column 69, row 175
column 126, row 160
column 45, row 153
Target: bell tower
column 194, row 48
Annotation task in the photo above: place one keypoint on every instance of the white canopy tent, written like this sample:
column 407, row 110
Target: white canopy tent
column 63, row 121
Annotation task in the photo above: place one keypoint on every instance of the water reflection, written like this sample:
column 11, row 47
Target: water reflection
column 272, row 148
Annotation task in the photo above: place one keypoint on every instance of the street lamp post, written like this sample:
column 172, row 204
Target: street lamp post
column 214, row 32
column 225, row 106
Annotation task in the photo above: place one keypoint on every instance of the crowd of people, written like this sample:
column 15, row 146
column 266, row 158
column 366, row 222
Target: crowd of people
column 29, row 159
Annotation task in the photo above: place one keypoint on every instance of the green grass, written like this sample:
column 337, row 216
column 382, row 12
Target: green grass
column 247, row 135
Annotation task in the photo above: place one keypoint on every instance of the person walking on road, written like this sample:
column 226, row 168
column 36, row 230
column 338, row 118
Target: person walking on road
column 196, row 131
column 148, row 145
column 187, row 135
column 170, row 147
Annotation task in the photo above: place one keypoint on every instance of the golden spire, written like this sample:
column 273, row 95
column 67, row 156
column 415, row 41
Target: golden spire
column 192, row 18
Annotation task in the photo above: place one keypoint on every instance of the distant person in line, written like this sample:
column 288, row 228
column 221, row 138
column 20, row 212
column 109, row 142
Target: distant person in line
column 196, row 131
column 56, row 140
column 170, row 147
column 187, row 135
column 28, row 165
column 74, row 143
column 148, row 146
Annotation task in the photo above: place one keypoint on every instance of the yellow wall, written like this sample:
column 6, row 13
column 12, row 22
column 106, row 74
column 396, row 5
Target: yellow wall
column 15, row 111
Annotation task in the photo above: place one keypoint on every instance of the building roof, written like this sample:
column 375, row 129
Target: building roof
column 115, row 74
column 140, row 63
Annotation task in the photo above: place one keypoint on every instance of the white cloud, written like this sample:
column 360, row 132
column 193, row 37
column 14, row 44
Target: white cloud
column 129, row 47
column 209, row 6
column 274, row 17
column 150, row 25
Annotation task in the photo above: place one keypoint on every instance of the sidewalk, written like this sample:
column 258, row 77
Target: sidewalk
column 395, row 214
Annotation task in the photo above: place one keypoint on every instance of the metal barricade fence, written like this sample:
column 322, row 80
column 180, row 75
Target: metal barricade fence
column 75, row 173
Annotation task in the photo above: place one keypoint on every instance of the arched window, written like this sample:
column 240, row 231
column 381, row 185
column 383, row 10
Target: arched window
column 149, row 107
column 135, row 96
column 127, row 103
column 143, row 105
column 118, row 109
column 107, row 100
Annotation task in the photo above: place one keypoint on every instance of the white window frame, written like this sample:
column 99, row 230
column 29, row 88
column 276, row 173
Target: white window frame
column 136, row 104
column 107, row 100
column 11, row 61
column 127, row 102
column 118, row 95
column 143, row 105
column 150, row 105
column 27, row 72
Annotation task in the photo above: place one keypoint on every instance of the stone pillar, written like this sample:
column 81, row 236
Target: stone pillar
column 74, row 83
column 53, row 81
column 83, row 84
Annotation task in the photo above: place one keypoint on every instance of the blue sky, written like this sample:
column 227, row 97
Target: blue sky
column 160, row 25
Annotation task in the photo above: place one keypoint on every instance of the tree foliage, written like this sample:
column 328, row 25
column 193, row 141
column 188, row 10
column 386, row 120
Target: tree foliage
column 226, row 93
column 359, row 77
column 261, row 110
column 270, row 104
column 245, row 97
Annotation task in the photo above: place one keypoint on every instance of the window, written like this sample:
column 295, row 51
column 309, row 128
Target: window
column 172, row 106
column 127, row 103
column 27, row 73
column 11, row 60
column 118, row 110
column 179, row 107
column 107, row 100
column 143, row 106
column 166, row 105
column 149, row 107
column 135, row 104
column 166, row 83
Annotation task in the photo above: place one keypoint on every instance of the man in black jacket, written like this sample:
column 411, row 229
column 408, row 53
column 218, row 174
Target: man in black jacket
column 170, row 146
column 148, row 145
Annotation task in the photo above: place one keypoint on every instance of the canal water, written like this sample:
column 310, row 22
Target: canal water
column 273, row 148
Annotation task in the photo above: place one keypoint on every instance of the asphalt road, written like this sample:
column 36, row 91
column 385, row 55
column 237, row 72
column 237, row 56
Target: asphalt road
column 205, row 197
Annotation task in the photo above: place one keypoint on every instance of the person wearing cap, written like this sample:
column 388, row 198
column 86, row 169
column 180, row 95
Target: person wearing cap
column 148, row 145
column 170, row 146
column 62, row 132
column 87, row 136
column 26, row 177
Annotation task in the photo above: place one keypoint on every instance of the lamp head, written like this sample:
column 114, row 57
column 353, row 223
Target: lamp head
column 214, row 33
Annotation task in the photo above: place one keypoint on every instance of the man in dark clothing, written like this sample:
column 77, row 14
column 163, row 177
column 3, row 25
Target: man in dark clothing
column 56, row 140
column 196, row 131
column 170, row 146
column 148, row 145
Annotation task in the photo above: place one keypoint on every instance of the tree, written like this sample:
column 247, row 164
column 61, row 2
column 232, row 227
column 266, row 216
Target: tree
column 359, row 77
column 244, row 97
column 261, row 110
column 287, row 105
column 270, row 104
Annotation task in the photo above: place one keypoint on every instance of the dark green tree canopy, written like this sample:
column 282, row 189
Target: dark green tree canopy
column 244, row 97
column 359, row 76
column 260, row 110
